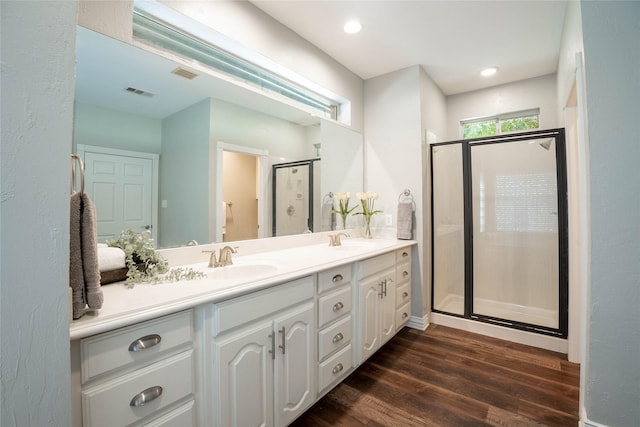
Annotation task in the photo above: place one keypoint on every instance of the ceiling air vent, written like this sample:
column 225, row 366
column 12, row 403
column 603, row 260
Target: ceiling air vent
column 183, row 72
column 139, row 92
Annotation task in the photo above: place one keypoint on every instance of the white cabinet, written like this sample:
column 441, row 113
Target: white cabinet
column 376, row 303
column 403, row 287
column 264, row 367
column 139, row 374
column 335, row 326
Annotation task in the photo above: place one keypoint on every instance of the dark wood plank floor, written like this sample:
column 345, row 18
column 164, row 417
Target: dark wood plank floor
column 448, row 377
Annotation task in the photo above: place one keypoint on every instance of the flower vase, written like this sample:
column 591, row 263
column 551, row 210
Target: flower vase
column 344, row 222
column 367, row 227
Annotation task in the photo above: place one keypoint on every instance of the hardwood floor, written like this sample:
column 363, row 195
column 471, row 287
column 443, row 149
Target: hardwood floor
column 449, row 377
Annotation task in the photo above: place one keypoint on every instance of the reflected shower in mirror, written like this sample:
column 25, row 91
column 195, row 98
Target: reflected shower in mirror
column 131, row 102
column 295, row 190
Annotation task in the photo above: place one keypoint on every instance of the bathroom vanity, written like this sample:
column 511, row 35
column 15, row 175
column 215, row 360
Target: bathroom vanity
column 255, row 343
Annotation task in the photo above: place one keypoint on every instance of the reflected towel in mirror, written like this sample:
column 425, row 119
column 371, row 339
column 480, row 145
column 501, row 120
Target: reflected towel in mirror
column 328, row 218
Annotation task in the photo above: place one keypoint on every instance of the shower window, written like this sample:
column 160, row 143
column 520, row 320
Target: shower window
column 501, row 124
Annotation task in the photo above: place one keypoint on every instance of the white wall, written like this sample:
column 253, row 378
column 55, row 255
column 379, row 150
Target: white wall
column 539, row 92
column 393, row 152
column 38, row 51
column 612, row 59
column 185, row 147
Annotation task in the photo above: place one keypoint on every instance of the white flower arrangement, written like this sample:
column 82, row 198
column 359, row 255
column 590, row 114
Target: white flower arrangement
column 367, row 201
column 343, row 210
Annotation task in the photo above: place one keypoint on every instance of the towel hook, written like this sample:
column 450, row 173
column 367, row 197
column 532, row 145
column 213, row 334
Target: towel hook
column 75, row 159
column 328, row 197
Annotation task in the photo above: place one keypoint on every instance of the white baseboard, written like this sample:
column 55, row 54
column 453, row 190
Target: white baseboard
column 416, row 322
column 523, row 337
column 585, row 422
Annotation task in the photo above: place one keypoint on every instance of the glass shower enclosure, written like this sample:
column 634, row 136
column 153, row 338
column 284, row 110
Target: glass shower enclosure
column 499, row 230
column 295, row 186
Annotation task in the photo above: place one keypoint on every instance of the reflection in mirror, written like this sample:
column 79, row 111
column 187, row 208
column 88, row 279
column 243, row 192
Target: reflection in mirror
column 296, row 186
column 128, row 102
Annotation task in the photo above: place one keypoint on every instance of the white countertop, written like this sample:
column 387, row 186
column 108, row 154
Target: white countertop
column 126, row 306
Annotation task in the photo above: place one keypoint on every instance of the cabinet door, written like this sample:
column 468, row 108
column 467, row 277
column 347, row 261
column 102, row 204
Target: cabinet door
column 370, row 296
column 294, row 369
column 388, row 309
column 245, row 372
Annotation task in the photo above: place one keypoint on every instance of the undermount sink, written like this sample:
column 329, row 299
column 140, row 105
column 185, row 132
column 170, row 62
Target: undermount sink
column 236, row 271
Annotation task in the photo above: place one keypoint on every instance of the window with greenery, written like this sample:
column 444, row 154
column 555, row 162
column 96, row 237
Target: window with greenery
column 504, row 123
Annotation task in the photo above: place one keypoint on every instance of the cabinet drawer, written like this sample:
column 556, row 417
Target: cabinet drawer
column 239, row 311
column 334, row 368
column 402, row 315
column 333, row 306
column 403, row 255
column 183, row 416
column 376, row 264
column 403, row 273
column 403, row 294
column 135, row 344
column 334, row 278
column 334, row 337
column 110, row 403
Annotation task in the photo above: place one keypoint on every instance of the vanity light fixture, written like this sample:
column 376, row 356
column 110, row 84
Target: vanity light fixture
column 489, row 71
column 352, row 26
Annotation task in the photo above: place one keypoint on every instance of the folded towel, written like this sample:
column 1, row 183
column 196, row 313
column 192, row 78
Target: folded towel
column 405, row 220
column 84, row 273
column 327, row 218
column 110, row 258
column 90, row 268
column 76, row 276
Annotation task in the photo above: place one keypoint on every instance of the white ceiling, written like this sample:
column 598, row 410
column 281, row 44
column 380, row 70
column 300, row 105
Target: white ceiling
column 452, row 40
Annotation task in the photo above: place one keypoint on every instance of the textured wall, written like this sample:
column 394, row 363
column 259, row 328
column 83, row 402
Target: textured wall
column 38, row 51
column 612, row 61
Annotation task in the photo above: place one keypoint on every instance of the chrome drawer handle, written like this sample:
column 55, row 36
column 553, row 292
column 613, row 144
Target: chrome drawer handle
column 405, row 254
column 338, row 337
column 404, row 315
column 145, row 342
column 146, row 396
column 337, row 369
column 405, row 273
column 337, row 278
column 405, row 294
column 338, row 306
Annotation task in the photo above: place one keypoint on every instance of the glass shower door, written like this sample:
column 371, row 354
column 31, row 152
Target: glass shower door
column 515, row 232
column 448, row 228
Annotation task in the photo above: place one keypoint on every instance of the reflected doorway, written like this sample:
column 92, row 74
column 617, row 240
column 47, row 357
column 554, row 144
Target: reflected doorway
column 239, row 196
column 238, row 202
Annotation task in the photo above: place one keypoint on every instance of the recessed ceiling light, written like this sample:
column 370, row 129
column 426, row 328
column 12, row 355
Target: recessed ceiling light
column 352, row 27
column 489, row 71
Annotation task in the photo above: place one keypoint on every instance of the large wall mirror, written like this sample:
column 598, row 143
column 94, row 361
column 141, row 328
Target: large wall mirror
column 187, row 157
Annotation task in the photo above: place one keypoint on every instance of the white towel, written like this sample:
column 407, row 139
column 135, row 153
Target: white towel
column 405, row 220
column 110, row 258
column 328, row 218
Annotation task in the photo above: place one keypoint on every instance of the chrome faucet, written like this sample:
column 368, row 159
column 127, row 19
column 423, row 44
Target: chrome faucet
column 224, row 258
column 334, row 239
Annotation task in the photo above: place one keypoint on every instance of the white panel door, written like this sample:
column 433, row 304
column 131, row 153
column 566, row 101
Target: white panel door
column 294, row 364
column 121, row 188
column 370, row 294
column 245, row 375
